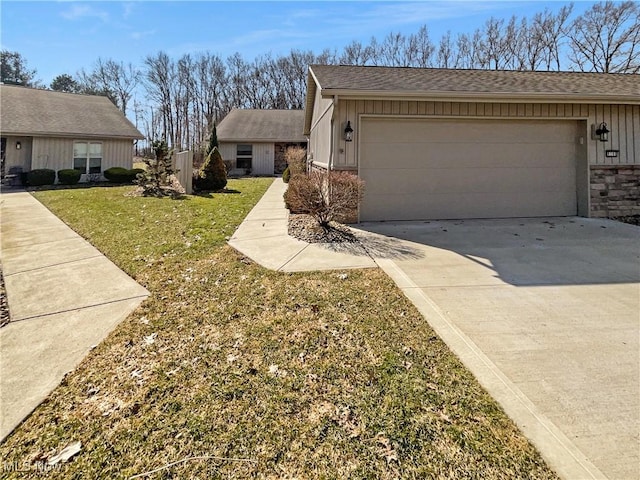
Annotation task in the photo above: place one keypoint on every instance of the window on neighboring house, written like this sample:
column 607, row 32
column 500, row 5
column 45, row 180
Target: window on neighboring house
column 87, row 157
column 244, row 156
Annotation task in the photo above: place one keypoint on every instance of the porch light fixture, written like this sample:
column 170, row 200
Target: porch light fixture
column 18, row 145
column 602, row 132
column 348, row 132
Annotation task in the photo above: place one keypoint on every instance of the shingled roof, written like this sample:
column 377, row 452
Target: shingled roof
column 33, row 112
column 262, row 126
column 340, row 79
column 454, row 85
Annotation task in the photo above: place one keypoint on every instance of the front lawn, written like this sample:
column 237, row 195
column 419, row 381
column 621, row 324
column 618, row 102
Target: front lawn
column 229, row 370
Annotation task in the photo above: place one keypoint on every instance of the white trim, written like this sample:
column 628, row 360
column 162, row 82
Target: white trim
column 479, row 97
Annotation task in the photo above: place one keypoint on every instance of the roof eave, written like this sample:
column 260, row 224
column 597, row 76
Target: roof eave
column 79, row 135
column 481, row 96
column 261, row 140
column 312, row 85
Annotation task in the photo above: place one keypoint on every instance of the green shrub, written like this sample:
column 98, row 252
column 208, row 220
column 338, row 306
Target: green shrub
column 41, row 176
column 69, row 176
column 135, row 171
column 117, row 174
column 212, row 176
column 122, row 175
column 286, row 175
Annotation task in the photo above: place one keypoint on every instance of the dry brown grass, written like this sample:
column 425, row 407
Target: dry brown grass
column 264, row 375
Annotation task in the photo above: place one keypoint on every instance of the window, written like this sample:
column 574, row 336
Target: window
column 244, row 156
column 87, row 157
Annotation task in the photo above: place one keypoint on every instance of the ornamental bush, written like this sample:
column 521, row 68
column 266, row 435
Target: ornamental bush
column 41, row 176
column 118, row 175
column 286, row 175
column 69, row 176
column 122, row 175
column 212, row 175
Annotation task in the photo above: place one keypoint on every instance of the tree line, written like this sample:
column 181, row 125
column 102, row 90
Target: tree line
column 185, row 96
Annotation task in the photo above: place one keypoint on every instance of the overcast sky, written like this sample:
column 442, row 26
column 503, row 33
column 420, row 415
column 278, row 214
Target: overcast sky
column 65, row 36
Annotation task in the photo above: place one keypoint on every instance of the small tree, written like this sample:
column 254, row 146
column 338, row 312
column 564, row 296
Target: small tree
column 213, row 175
column 327, row 197
column 213, row 141
column 156, row 181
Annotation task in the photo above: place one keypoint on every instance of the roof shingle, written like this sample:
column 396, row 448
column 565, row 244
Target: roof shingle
column 28, row 111
column 262, row 125
column 425, row 81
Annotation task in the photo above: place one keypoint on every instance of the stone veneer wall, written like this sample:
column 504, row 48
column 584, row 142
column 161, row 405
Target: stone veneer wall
column 615, row 191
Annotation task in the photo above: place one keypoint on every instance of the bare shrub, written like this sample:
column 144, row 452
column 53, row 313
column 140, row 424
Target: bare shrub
column 296, row 158
column 327, row 197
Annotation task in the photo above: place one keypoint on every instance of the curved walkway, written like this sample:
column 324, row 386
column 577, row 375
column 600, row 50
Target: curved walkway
column 64, row 298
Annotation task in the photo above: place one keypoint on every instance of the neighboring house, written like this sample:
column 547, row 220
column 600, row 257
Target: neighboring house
column 455, row 144
column 254, row 141
column 55, row 130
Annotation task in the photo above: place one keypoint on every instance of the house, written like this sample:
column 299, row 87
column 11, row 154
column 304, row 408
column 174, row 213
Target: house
column 55, row 130
column 455, row 144
column 254, row 141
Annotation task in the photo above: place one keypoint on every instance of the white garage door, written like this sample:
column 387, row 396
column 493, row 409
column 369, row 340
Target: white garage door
column 448, row 169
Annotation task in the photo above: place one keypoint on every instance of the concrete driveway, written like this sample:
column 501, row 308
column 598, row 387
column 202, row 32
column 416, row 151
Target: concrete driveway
column 546, row 313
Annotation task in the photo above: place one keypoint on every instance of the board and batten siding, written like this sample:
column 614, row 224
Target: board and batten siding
column 261, row 161
column 623, row 122
column 57, row 153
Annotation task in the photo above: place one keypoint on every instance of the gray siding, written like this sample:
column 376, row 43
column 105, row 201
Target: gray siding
column 623, row 121
column 15, row 157
column 263, row 155
column 57, row 153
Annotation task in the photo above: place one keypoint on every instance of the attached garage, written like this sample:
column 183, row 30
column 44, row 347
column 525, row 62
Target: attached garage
column 418, row 169
column 457, row 144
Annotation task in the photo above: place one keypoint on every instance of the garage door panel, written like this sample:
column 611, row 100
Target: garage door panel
column 461, row 182
column 466, row 155
column 430, row 169
column 379, row 130
column 440, row 206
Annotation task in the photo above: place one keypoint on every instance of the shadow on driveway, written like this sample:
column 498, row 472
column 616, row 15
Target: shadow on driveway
column 529, row 251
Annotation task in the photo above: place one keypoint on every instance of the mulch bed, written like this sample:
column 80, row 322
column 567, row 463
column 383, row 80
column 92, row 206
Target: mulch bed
column 4, row 306
column 306, row 228
column 630, row 219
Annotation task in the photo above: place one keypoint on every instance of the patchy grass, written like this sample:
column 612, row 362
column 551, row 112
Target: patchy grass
column 246, row 373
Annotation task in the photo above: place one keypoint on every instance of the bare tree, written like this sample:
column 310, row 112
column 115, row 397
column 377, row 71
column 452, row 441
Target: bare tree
column 356, row 54
column 114, row 77
column 419, row 49
column 465, row 52
column 158, row 78
column 606, row 38
column 550, row 31
column 446, row 55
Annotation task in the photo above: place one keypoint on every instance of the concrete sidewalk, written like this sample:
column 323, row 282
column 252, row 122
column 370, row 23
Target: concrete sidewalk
column 262, row 236
column 64, row 298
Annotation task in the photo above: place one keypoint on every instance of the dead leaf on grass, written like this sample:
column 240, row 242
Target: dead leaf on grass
column 385, row 448
column 65, row 454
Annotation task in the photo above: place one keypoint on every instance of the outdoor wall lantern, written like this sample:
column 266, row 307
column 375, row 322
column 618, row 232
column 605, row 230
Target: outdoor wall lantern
column 18, row 145
column 348, row 132
column 602, row 132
